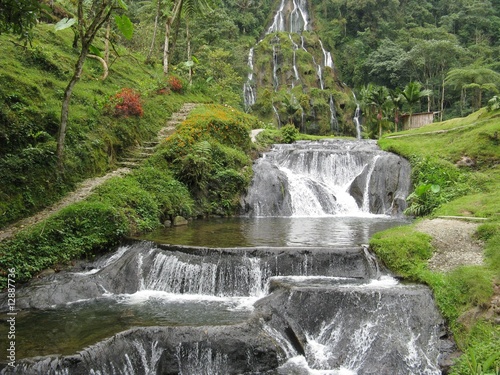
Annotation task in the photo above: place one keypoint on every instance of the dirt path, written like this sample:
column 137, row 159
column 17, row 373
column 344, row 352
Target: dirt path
column 86, row 187
column 454, row 243
column 431, row 132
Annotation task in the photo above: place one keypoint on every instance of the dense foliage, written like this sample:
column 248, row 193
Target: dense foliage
column 201, row 170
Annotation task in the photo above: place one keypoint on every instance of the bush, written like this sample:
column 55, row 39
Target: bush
column 289, row 133
column 128, row 196
column 126, row 103
column 435, row 182
column 82, row 229
column 175, row 84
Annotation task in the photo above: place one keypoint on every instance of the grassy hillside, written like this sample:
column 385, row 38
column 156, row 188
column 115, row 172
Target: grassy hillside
column 456, row 172
column 32, row 82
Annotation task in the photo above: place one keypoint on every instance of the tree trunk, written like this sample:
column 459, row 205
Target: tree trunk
column 189, row 57
column 65, row 106
column 442, row 104
column 153, row 39
column 176, row 11
column 166, row 50
column 106, row 47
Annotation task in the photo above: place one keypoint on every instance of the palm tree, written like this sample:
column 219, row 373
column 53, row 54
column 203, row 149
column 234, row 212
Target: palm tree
column 378, row 101
column 396, row 98
column 412, row 93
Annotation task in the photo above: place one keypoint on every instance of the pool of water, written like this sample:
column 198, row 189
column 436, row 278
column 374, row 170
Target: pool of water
column 276, row 231
column 77, row 325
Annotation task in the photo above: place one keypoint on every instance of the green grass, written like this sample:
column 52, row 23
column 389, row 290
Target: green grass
column 463, row 293
column 33, row 81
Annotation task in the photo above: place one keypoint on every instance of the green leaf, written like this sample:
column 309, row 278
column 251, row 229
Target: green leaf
column 188, row 64
column 195, row 59
column 95, row 51
column 125, row 26
column 65, row 23
column 435, row 188
column 122, row 4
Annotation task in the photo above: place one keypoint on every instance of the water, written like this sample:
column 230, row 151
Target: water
column 277, row 231
column 70, row 328
column 294, row 294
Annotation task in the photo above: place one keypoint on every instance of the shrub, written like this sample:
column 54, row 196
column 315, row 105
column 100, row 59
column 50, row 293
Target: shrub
column 126, row 103
column 175, row 84
column 289, row 133
column 82, row 229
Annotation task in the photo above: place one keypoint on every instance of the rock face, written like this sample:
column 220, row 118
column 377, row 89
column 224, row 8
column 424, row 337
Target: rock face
column 319, row 308
column 328, row 178
column 269, row 179
column 368, row 328
column 168, row 351
column 388, row 185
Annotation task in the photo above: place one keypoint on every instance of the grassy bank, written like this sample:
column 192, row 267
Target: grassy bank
column 33, row 80
column 200, row 170
column 443, row 188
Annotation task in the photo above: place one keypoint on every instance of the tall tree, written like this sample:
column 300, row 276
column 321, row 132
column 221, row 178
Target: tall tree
column 478, row 79
column 191, row 6
column 89, row 21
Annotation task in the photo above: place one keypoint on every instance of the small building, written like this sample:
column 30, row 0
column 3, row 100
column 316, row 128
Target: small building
column 417, row 120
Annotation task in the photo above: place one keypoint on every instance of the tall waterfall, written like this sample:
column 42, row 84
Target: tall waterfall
column 291, row 17
column 328, row 178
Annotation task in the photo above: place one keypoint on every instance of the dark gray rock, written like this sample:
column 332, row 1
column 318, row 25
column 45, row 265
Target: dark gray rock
column 388, row 187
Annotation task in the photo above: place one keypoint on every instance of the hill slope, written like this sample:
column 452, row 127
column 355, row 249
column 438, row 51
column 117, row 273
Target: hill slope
column 456, row 173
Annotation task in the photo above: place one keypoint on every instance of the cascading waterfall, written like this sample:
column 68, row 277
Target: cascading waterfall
column 292, row 17
column 357, row 114
column 310, row 309
column 326, row 178
column 248, row 88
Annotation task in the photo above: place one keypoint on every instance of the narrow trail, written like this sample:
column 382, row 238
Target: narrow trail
column 431, row 132
column 85, row 188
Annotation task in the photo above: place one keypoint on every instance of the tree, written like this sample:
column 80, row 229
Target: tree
column 191, row 6
column 19, row 17
column 89, row 21
column 478, row 79
column 412, row 93
column 379, row 102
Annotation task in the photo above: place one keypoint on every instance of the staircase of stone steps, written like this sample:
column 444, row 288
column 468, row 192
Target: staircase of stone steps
column 135, row 156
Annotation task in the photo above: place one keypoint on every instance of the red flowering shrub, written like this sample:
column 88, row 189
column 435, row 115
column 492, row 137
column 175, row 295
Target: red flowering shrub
column 126, row 103
column 175, row 84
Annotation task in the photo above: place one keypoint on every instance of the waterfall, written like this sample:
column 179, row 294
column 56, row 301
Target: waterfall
column 276, row 81
column 290, row 309
column 294, row 61
column 366, row 195
column 278, row 120
column 248, row 88
column 291, row 17
column 327, row 57
column 357, row 114
column 193, row 359
column 334, row 124
column 299, row 17
column 331, row 177
column 278, row 20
